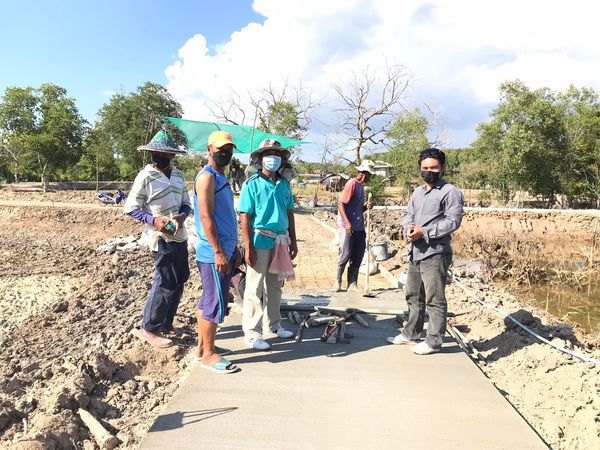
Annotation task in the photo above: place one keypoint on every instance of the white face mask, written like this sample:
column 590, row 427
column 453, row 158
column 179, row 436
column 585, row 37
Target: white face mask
column 272, row 163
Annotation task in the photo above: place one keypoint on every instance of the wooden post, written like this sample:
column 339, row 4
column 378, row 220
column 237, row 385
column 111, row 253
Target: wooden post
column 102, row 436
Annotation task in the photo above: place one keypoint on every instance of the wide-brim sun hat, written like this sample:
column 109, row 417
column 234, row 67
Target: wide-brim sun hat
column 162, row 142
column 269, row 144
column 366, row 166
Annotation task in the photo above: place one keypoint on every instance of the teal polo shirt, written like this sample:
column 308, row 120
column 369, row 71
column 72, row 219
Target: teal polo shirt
column 267, row 203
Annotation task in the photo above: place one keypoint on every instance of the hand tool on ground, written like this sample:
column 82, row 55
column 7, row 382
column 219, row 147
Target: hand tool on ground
column 346, row 314
column 335, row 332
column 304, row 324
column 297, row 317
column 367, row 293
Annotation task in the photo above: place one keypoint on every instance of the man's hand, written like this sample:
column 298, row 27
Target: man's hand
column 293, row 249
column 178, row 220
column 250, row 256
column 222, row 262
column 369, row 205
column 160, row 223
column 348, row 228
column 414, row 233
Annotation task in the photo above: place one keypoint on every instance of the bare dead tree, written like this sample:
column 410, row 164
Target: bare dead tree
column 366, row 115
column 333, row 154
column 229, row 109
column 435, row 121
column 256, row 107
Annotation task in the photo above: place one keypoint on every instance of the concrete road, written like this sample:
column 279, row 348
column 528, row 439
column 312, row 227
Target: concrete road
column 367, row 394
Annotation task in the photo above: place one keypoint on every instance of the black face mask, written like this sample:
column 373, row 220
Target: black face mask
column 222, row 159
column 430, row 177
column 160, row 161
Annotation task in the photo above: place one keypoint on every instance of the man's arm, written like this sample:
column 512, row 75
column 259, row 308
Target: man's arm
column 292, row 232
column 345, row 197
column 246, row 209
column 135, row 202
column 453, row 213
column 409, row 217
column 205, row 189
column 247, row 236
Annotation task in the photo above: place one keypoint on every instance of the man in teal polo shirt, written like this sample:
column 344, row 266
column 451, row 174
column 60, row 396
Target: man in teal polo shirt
column 266, row 211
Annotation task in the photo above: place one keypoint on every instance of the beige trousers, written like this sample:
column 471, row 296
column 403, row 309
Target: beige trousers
column 261, row 316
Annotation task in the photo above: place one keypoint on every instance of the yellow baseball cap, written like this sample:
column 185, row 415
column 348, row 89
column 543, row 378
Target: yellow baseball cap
column 220, row 138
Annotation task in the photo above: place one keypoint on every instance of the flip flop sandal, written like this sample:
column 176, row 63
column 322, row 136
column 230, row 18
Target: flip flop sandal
column 219, row 350
column 221, row 366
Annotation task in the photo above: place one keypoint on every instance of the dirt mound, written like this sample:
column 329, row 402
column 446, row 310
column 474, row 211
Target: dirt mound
column 10, row 192
column 66, row 340
column 557, row 394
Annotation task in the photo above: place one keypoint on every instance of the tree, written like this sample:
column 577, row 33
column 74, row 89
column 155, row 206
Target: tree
column 130, row 120
column 407, row 136
column 524, row 142
column 285, row 111
column 580, row 177
column 41, row 130
column 366, row 115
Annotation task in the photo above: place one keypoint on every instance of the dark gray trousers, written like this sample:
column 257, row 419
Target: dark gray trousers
column 426, row 289
column 171, row 271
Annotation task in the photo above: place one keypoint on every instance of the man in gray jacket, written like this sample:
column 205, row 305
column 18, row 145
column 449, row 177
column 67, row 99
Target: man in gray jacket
column 433, row 213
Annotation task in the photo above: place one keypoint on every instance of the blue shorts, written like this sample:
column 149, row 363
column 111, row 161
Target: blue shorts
column 215, row 292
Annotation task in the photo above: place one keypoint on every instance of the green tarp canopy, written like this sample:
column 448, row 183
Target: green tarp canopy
column 197, row 134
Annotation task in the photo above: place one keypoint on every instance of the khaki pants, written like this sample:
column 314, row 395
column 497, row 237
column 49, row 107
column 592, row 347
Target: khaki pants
column 261, row 316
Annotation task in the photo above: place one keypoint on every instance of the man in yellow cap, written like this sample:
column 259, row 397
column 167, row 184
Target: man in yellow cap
column 216, row 251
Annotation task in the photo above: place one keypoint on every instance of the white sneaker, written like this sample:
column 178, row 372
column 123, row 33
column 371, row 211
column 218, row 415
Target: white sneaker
column 257, row 343
column 399, row 339
column 280, row 333
column 422, row 348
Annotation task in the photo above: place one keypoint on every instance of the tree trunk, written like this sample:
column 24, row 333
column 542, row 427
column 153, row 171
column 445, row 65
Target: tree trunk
column 44, row 179
column 357, row 158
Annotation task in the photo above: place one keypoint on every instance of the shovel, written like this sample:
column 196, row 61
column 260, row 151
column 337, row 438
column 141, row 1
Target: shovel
column 367, row 293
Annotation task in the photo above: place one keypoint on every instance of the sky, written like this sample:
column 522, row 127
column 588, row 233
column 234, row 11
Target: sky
column 455, row 53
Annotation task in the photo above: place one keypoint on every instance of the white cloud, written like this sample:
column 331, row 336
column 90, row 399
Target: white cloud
column 457, row 51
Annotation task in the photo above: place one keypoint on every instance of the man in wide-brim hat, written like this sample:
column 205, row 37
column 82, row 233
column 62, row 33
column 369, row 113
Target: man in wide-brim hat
column 267, row 217
column 159, row 198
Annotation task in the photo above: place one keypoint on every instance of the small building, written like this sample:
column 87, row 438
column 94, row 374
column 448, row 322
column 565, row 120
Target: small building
column 336, row 182
column 383, row 169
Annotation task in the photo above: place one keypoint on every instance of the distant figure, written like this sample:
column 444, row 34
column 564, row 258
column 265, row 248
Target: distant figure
column 160, row 199
column 351, row 208
column 236, row 175
column 434, row 212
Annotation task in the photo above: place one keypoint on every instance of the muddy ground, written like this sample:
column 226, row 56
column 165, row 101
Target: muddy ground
column 66, row 338
column 68, row 312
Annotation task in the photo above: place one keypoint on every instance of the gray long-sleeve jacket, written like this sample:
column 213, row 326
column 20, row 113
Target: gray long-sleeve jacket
column 439, row 211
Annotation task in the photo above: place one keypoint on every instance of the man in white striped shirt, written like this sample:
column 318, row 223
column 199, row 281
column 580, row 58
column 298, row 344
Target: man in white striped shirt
column 159, row 199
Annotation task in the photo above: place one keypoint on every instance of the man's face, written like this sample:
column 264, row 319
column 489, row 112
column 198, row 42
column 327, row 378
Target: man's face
column 227, row 148
column 431, row 165
column 271, row 152
column 365, row 177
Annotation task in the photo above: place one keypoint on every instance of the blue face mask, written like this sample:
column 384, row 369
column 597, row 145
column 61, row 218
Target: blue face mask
column 272, row 163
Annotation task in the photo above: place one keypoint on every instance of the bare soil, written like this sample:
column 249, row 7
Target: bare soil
column 66, row 339
column 68, row 312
